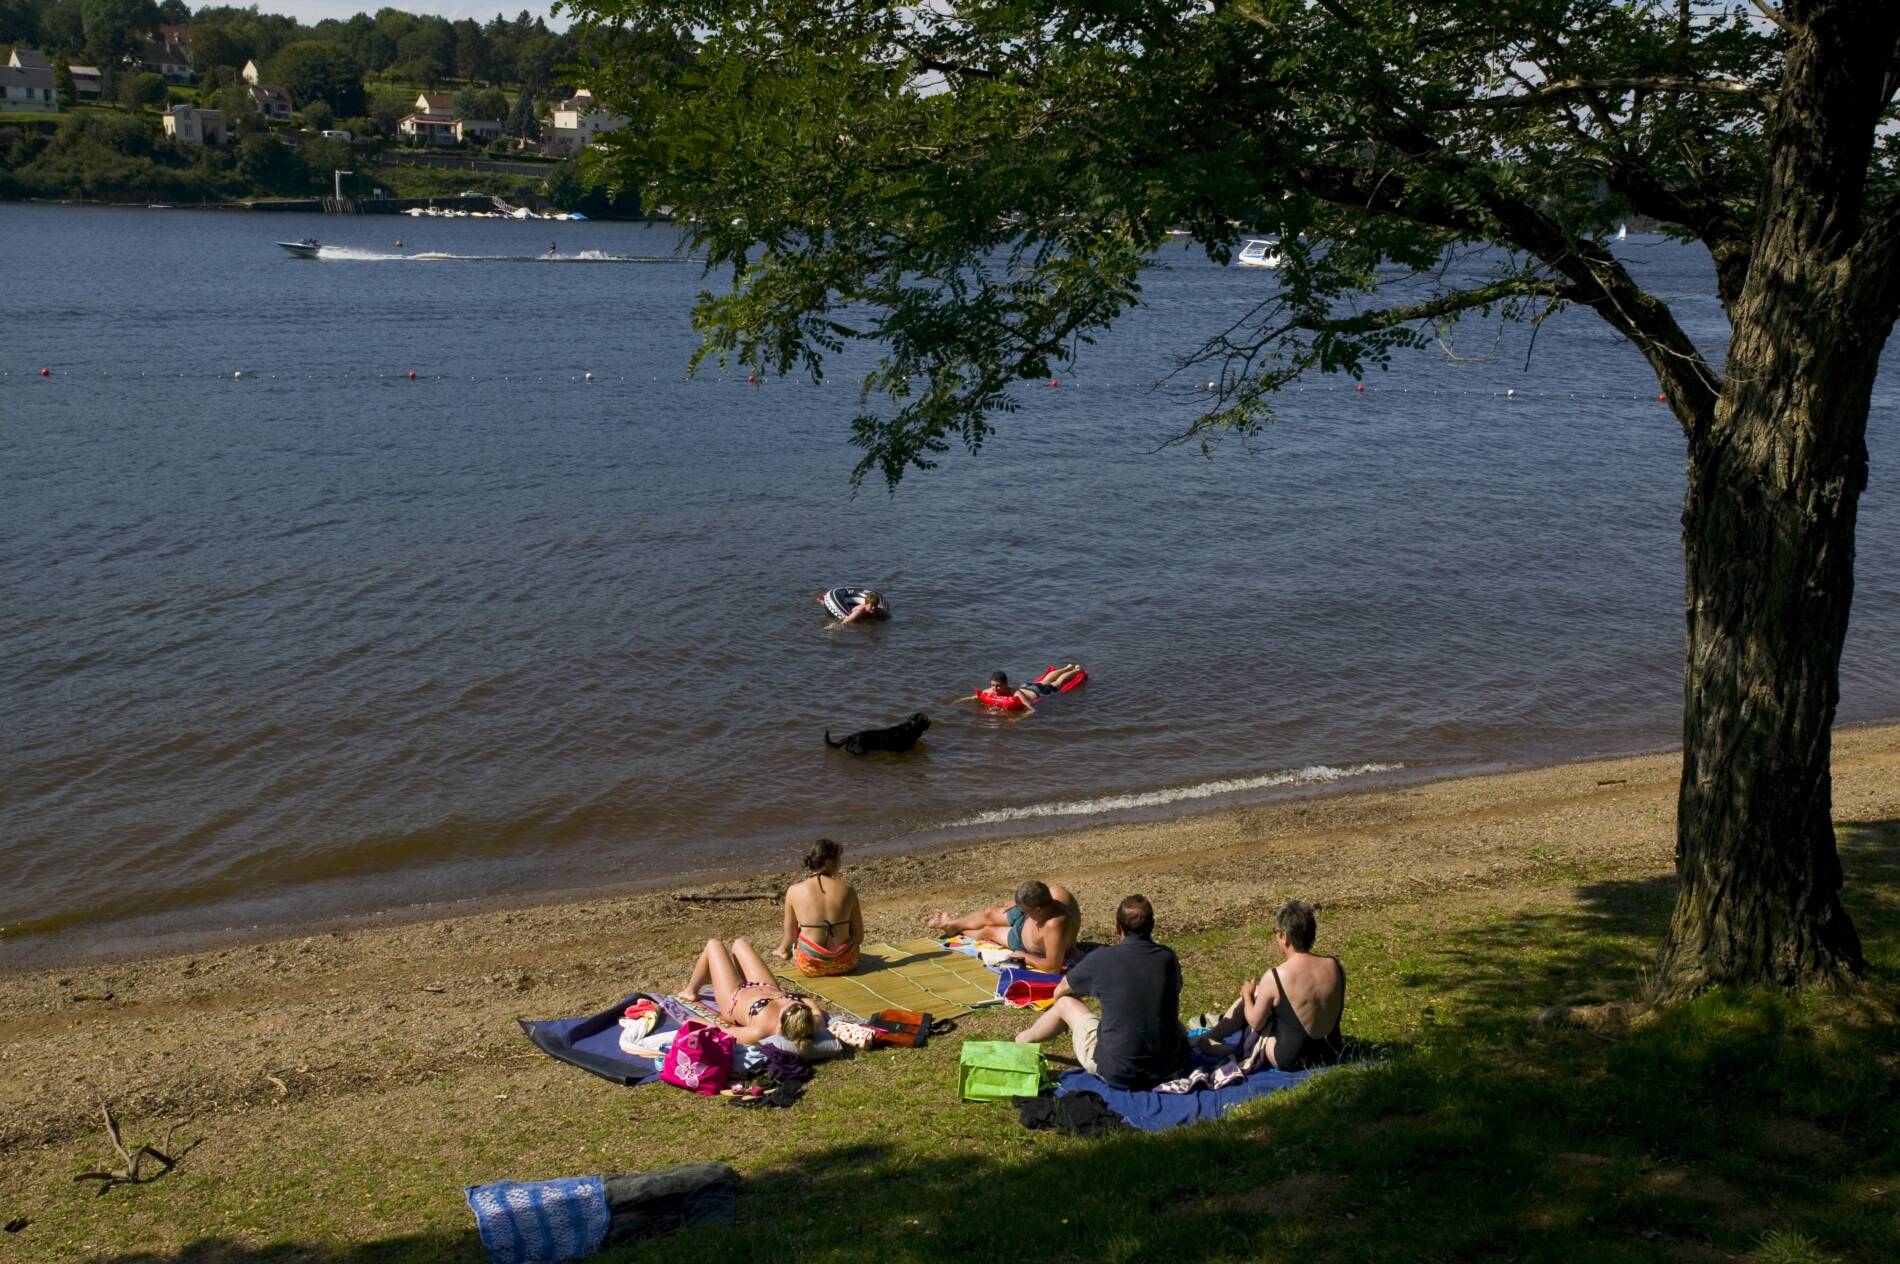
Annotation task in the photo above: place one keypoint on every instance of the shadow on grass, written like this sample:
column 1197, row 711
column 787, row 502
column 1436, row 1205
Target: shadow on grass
column 1726, row 1125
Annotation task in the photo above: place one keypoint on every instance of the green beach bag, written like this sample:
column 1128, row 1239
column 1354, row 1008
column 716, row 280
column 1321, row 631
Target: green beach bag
column 997, row 1070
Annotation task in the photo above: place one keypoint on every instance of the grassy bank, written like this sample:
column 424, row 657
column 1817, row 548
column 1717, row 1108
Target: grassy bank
column 348, row 1085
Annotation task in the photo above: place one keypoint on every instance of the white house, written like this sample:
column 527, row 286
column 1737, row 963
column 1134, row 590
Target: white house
column 436, row 103
column 578, row 120
column 189, row 125
column 272, row 103
column 427, row 129
column 88, row 83
column 251, row 73
column 26, row 84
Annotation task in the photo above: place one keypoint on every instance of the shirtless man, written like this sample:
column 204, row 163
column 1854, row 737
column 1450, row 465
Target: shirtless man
column 1042, row 925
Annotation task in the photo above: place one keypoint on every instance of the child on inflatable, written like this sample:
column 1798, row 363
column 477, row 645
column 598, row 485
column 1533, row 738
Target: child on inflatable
column 1000, row 696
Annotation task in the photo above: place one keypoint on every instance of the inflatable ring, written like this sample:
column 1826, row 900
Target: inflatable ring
column 842, row 601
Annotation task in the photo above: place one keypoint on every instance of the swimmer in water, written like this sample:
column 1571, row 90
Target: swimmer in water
column 1003, row 698
column 550, row 250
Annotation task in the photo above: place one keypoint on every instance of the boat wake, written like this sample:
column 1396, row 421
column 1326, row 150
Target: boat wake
column 1312, row 775
column 353, row 254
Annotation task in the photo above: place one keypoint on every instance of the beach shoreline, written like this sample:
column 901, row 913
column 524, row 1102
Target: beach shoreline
column 119, row 940
column 90, row 945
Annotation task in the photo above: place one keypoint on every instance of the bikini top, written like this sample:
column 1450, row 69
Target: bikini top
column 990, row 698
column 829, row 926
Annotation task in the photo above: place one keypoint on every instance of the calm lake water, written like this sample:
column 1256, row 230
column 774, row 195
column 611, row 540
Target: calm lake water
column 320, row 639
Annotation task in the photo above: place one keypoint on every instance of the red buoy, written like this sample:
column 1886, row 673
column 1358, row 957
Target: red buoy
column 1054, row 383
column 1361, row 388
column 1662, row 399
column 46, row 373
column 751, row 377
column 412, row 375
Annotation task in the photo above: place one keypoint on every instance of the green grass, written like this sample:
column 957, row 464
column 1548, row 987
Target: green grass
column 1738, row 1125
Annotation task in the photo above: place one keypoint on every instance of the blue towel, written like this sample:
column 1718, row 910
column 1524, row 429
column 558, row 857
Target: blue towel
column 593, row 1043
column 1154, row 1112
column 530, row 1222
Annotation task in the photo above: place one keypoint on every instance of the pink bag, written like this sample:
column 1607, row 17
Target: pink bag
column 700, row 1059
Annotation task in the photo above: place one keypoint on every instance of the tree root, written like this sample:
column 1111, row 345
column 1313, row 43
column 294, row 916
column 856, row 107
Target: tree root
column 128, row 1173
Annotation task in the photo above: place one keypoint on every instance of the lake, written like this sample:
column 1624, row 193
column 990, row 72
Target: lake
column 287, row 635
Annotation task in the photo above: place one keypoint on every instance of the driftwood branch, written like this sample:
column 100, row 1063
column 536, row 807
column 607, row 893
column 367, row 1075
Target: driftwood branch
column 738, row 895
column 131, row 1161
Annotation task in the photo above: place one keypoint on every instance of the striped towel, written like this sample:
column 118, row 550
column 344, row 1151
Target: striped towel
column 532, row 1222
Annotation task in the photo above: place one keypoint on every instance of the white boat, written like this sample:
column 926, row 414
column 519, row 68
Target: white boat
column 1259, row 253
column 305, row 249
column 1622, row 234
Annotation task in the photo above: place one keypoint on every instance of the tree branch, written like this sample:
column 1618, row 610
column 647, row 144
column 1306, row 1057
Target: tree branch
column 1446, row 305
column 1776, row 16
column 1734, row 88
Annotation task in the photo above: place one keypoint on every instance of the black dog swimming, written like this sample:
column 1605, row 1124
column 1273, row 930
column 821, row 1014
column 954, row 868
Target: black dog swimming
column 898, row 738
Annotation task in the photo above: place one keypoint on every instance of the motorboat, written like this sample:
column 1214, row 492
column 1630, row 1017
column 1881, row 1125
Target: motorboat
column 305, row 249
column 1259, row 253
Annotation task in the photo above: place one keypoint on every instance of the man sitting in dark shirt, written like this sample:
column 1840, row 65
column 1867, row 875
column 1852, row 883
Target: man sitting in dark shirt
column 1138, row 1041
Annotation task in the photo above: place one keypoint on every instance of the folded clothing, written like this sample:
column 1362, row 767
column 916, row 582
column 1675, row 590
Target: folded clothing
column 815, row 961
column 537, row 1222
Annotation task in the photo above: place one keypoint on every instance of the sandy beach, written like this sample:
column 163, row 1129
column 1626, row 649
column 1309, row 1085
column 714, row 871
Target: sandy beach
column 343, row 1013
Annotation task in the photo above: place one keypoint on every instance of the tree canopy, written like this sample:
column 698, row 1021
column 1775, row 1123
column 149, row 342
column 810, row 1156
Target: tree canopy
column 975, row 190
column 315, row 71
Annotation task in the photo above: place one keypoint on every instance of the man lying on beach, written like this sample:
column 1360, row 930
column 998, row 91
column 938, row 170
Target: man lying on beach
column 1042, row 925
column 1138, row 1042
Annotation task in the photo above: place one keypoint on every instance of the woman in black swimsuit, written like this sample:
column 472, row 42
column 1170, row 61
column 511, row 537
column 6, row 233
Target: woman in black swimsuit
column 1295, row 1007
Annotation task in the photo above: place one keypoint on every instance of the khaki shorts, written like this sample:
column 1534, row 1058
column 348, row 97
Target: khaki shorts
column 1083, row 1032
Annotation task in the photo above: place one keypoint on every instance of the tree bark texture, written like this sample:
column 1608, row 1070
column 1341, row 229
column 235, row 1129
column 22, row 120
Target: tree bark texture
column 1774, row 482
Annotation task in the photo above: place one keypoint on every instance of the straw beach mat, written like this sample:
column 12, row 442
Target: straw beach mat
column 916, row 974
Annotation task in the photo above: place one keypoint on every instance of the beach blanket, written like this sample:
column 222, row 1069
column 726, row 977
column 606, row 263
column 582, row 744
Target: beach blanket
column 528, row 1222
column 1156, row 1112
column 914, row 974
column 592, row 1042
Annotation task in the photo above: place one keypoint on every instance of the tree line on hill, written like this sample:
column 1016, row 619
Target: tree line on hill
column 416, row 48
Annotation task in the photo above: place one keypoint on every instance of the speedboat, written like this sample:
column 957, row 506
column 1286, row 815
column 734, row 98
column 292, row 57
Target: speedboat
column 305, row 249
column 1259, row 253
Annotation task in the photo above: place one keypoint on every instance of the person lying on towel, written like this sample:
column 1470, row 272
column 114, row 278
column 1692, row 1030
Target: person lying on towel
column 752, row 1006
column 823, row 924
column 1138, row 1042
column 1295, row 1006
column 1042, row 925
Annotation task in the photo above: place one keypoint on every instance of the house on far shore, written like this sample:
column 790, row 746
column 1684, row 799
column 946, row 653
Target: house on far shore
column 251, row 73
column 477, row 131
column 578, row 120
column 189, row 125
column 436, row 103
column 88, row 83
column 26, row 84
column 169, row 61
column 427, row 129
column 272, row 103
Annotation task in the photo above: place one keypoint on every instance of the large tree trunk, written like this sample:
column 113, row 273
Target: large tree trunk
column 1768, row 538
column 1768, row 535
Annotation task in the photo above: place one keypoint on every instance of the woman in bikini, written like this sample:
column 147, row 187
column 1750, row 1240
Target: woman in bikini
column 823, row 924
column 1295, row 1007
column 751, row 1005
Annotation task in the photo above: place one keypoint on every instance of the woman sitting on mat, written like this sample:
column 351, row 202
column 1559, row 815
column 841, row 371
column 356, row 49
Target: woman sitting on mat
column 823, row 924
column 1295, row 1007
column 752, row 1006
column 1003, row 698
